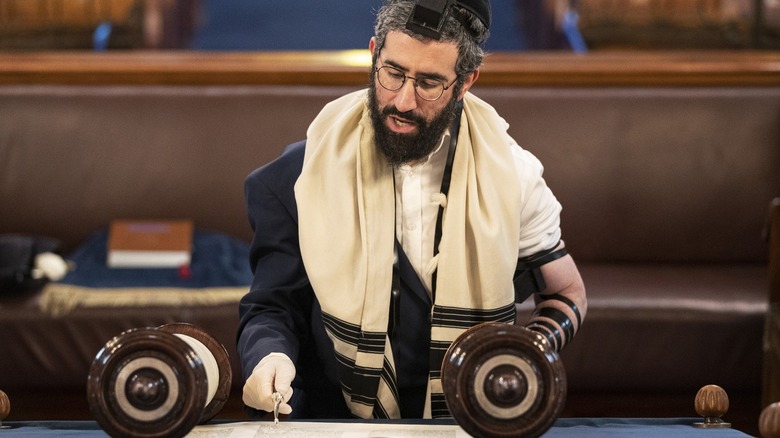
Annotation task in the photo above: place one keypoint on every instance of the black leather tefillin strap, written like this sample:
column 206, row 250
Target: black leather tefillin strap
column 528, row 277
column 552, row 333
column 566, row 301
column 395, row 291
column 445, row 188
column 395, row 297
column 560, row 318
column 528, row 280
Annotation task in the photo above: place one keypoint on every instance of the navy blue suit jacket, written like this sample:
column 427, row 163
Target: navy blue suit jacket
column 281, row 313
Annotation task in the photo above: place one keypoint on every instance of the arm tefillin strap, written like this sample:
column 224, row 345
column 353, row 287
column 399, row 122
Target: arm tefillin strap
column 566, row 301
column 565, row 325
column 549, row 331
column 549, row 321
column 560, row 318
column 528, row 277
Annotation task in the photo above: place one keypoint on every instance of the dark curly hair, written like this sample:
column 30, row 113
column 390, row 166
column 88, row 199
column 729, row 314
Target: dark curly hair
column 394, row 14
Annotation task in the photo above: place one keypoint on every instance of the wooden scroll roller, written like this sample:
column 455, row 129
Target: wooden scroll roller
column 502, row 380
column 158, row 382
column 5, row 408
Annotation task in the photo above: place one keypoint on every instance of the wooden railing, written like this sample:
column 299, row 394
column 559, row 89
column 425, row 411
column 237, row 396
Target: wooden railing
column 524, row 69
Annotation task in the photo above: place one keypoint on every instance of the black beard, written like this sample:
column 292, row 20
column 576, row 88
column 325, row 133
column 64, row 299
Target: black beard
column 404, row 148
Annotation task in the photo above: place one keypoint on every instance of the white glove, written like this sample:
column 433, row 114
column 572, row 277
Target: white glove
column 274, row 373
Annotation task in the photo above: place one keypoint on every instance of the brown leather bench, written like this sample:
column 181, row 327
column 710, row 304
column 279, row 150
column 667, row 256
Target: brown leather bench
column 664, row 167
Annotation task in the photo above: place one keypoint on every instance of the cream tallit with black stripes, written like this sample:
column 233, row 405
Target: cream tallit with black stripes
column 346, row 211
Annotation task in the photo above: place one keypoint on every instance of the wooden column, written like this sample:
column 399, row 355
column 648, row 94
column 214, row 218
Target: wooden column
column 771, row 390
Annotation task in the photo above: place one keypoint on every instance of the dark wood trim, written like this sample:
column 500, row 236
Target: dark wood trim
column 349, row 68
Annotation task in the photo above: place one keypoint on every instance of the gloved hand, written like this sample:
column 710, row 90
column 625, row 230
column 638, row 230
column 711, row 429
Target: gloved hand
column 274, row 373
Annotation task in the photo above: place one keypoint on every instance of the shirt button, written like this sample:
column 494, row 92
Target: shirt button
column 412, row 226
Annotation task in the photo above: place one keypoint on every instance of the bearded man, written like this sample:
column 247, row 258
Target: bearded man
column 406, row 216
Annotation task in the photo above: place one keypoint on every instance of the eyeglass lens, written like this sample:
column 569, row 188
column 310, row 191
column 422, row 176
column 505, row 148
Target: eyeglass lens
column 393, row 79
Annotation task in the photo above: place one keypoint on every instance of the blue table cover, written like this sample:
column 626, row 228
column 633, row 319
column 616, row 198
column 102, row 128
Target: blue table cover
column 218, row 260
column 564, row 427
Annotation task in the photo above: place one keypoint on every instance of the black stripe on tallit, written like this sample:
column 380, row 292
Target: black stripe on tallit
column 439, row 406
column 350, row 334
column 455, row 317
column 373, row 343
column 345, row 332
column 379, row 411
column 345, row 367
column 365, row 383
column 389, row 378
column 437, row 352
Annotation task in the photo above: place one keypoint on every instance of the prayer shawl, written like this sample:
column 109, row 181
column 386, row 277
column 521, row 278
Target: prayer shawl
column 346, row 211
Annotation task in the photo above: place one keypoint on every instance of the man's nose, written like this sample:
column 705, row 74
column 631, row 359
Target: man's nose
column 406, row 97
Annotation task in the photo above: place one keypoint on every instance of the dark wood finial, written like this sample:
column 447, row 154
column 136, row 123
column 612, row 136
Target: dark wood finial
column 712, row 403
column 769, row 421
column 5, row 407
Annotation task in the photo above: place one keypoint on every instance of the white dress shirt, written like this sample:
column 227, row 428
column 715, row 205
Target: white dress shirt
column 417, row 185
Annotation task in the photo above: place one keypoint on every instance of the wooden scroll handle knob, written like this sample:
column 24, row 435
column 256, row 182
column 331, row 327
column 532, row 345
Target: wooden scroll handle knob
column 503, row 380
column 712, row 403
column 5, row 406
column 769, row 421
column 158, row 382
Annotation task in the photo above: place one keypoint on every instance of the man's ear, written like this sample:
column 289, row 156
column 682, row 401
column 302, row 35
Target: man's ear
column 471, row 78
column 372, row 45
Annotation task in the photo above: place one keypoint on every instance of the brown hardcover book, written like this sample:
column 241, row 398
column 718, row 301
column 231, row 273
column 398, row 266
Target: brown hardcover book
column 149, row 244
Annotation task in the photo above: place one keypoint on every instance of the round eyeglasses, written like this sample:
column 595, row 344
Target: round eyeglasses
column 392, row 79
